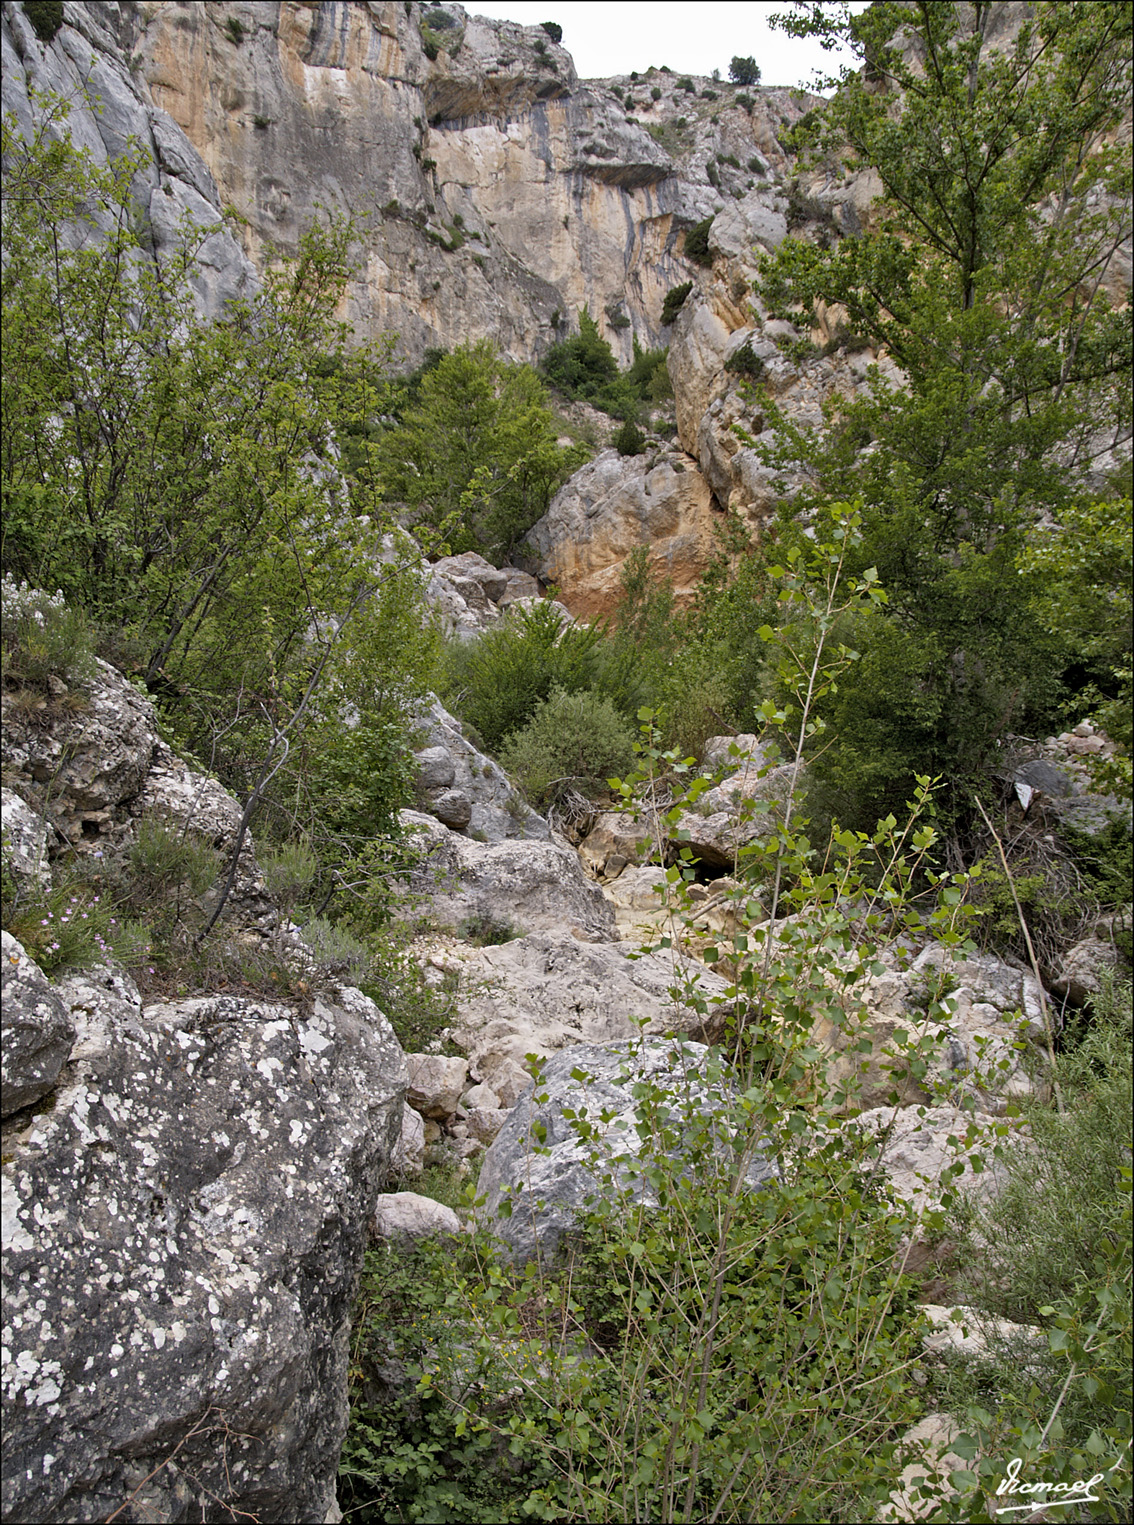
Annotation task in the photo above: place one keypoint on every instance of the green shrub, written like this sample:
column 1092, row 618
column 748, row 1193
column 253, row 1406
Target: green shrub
column 553, row 30
column 42, row 638
column 484, row 931
column 686, row 84
column 744, row 71
column 289, row 872
column 655, row 94
column 1040, row 1236
column 234, row 29
column 73, row 925
column 674, row 302
column 338, row 951
column 629, row 439
column 745, row 363
column 497, row 681
column 744, row 100
column 409, row 1453
column 697, row 243
column 165, row 863
column 573, row 741
column 708, row 95
column 46, row 17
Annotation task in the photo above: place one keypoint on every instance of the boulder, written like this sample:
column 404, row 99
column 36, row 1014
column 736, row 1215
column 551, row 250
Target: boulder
column 548, row 991
column 1084, row 970
column 409, row 1152
column 405, row 1217
column 543, row 1175
column 930, row 1442
column 525, row 886
column 25, row 843
column 184, row 1232
column 467, row 790
column 987, row 1042
column 724, row 821
column 612, row 506
column 916, row 1148
column 37, row 1029
column 435, row 1084
column 453, row 808
column 615, row 835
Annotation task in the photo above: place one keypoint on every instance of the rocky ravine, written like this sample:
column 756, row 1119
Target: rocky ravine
column 189, row 1183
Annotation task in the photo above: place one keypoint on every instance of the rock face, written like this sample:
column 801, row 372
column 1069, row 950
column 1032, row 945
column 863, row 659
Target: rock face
column 466, row 790
column 493, row 887
column 112, row 112
column 25, row 842
column 502, row 195
column 470, row 594
column 93, row 772
column 614, row 505
column 37, row 1030
column 541, row 1169
column 183, row 1234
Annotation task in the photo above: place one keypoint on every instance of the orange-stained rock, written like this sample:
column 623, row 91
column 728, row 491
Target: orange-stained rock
column 610, row 507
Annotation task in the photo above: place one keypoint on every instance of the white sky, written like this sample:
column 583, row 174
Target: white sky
column 607, row 37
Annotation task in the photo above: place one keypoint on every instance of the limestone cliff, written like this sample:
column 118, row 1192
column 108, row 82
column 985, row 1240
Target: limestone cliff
column 495, row 193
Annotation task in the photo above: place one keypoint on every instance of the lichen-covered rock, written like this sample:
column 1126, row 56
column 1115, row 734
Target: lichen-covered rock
column 80, row 770
column 94, row 774
column 538, row 1165
column 183, row 1234
column 24, row 843
column 37, row 1029
column 505, row 886
column 548, row 991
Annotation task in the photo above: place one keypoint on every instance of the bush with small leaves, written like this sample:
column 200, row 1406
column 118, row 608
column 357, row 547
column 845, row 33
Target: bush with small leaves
column 744, row 71
column 629, row 439
column 43, row 639
column 697, row 243
column 572, row 742
column 553, row 30
column 46, row 17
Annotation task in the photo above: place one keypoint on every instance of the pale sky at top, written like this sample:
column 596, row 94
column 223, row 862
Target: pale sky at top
column 607, row 37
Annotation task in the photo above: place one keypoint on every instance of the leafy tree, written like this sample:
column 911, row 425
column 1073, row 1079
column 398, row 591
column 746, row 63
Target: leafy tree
column 553, row 30
column 744, row 71
column 475, row 456
column 1004, row 202
column 498, row 680
column 178, row 480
